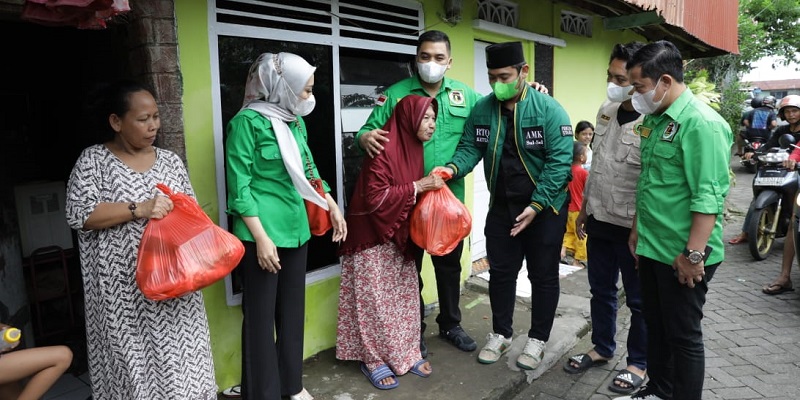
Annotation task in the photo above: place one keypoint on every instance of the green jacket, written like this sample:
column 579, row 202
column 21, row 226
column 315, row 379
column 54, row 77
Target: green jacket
column 686, row 155
column 455, row 101
column 258, row 183
column 543, row 139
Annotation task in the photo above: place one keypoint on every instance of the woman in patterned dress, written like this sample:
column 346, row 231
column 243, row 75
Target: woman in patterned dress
column 267, row 155
column 379, row 321
column 139, row 349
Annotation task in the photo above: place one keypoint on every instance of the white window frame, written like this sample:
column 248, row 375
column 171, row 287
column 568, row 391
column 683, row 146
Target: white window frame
column 335, row 41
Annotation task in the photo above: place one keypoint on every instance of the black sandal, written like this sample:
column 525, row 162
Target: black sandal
column 628, row 377
column 584, row 362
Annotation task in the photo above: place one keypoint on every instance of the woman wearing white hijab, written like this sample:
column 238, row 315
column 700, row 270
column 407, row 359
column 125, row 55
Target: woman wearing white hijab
column 267, row 155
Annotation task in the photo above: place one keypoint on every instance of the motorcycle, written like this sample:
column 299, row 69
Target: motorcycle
column 750, row 146
column 773, row 187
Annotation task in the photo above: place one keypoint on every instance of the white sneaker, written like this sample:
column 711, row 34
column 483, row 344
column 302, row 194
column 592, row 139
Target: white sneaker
column 496, row 346
column 531, row 355
column 643, row 394
column 303, row 395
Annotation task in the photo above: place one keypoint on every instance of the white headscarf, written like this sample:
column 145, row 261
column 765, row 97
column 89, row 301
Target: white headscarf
column 272, row 86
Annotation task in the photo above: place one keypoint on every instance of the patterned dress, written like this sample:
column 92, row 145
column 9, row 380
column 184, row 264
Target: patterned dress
column 379, row 309
column 138, row 349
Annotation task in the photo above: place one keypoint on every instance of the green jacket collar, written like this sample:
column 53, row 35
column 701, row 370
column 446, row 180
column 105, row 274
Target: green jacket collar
column 416, row 85
column 676, row 108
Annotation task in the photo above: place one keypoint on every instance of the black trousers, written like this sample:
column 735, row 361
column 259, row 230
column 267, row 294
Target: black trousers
column 540, row 246
column 272, row 330
column 673, row 313
column 447, row 269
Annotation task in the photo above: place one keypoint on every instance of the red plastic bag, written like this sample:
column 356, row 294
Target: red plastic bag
column 184, row 251
column 440, row 221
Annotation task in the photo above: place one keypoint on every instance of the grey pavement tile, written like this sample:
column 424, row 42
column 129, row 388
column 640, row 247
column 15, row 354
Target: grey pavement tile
column 747, row 308
column 580, row 391
column 769, row 390
column 710, row 395
column 718, row 343
column 771, row 363
column 732, row 326
column 743, row 370
column 721, row 376
column 737, row 393
column 711, row 315
column 725, row 360
column 733, row 359
column 734, row 337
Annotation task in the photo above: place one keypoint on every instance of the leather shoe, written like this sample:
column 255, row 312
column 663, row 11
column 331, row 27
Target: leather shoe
column 459, row 338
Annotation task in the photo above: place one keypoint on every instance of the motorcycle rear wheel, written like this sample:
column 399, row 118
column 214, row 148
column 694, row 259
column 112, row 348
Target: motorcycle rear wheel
column 759, row 231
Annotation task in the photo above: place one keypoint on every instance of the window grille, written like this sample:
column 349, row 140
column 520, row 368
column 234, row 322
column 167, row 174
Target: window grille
column 576, row 24
column 499, row 12
column 397, row 22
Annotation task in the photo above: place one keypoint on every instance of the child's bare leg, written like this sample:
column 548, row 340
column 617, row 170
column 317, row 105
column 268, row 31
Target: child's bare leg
column 44, row 365
column 10, row 391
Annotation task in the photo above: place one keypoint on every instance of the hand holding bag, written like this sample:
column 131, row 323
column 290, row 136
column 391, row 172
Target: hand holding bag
column 440, row 221
column 184, row 251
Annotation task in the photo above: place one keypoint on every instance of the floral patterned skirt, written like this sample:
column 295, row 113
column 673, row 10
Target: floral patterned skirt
column 379, row 317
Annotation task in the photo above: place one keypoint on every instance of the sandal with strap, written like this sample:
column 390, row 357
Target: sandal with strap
column 378, row 374
column 416, row 369
column 738, row 240
column 632, row 380
column 233, row 392
column 584, row 362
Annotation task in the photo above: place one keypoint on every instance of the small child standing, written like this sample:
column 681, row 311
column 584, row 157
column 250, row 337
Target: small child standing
column 584, row 133
column 571, row 242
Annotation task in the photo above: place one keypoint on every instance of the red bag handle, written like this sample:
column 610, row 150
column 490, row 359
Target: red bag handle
column 443, row 173
column 164, row 188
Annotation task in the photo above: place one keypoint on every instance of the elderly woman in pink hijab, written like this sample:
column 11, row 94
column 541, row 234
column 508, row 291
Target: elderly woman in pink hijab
column 268, row 167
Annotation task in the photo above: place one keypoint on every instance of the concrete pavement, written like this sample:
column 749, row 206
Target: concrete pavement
column 752, row 340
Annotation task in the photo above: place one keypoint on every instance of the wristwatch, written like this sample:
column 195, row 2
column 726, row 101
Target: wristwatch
column 694, row 256
column 132, row 208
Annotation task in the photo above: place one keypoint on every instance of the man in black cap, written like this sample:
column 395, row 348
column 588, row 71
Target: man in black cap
column 455, row 100
column 525, row 138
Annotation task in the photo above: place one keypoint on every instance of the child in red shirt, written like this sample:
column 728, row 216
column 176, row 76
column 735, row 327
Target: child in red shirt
column 579, row 174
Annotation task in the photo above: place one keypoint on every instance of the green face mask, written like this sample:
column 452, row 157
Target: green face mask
column 505, row 91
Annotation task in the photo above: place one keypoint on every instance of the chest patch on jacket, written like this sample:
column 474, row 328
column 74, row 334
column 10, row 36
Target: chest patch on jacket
column 534, row 137
column 670, row 131
column 457, row 98
column 481, row 135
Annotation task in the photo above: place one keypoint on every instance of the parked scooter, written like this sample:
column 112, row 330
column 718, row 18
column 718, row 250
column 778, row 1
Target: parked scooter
column 751, row 145
column 774, row 189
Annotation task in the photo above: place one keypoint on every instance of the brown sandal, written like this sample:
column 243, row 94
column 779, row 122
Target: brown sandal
column 777, row 288
column 738, row 240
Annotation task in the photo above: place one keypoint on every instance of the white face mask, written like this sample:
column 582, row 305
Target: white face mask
column 644, row 103
column 431, row 72
column 618, row 93
column 304, row 107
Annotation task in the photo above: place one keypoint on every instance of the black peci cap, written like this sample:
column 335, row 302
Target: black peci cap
column 502, row 55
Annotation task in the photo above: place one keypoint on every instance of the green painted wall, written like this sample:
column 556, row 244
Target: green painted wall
column 580, row 68
column 225, row 322
column 579, row 85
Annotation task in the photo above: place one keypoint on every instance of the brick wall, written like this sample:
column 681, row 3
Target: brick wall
column 153, row 58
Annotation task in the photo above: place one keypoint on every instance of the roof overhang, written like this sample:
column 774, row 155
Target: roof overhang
column 699, row 29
